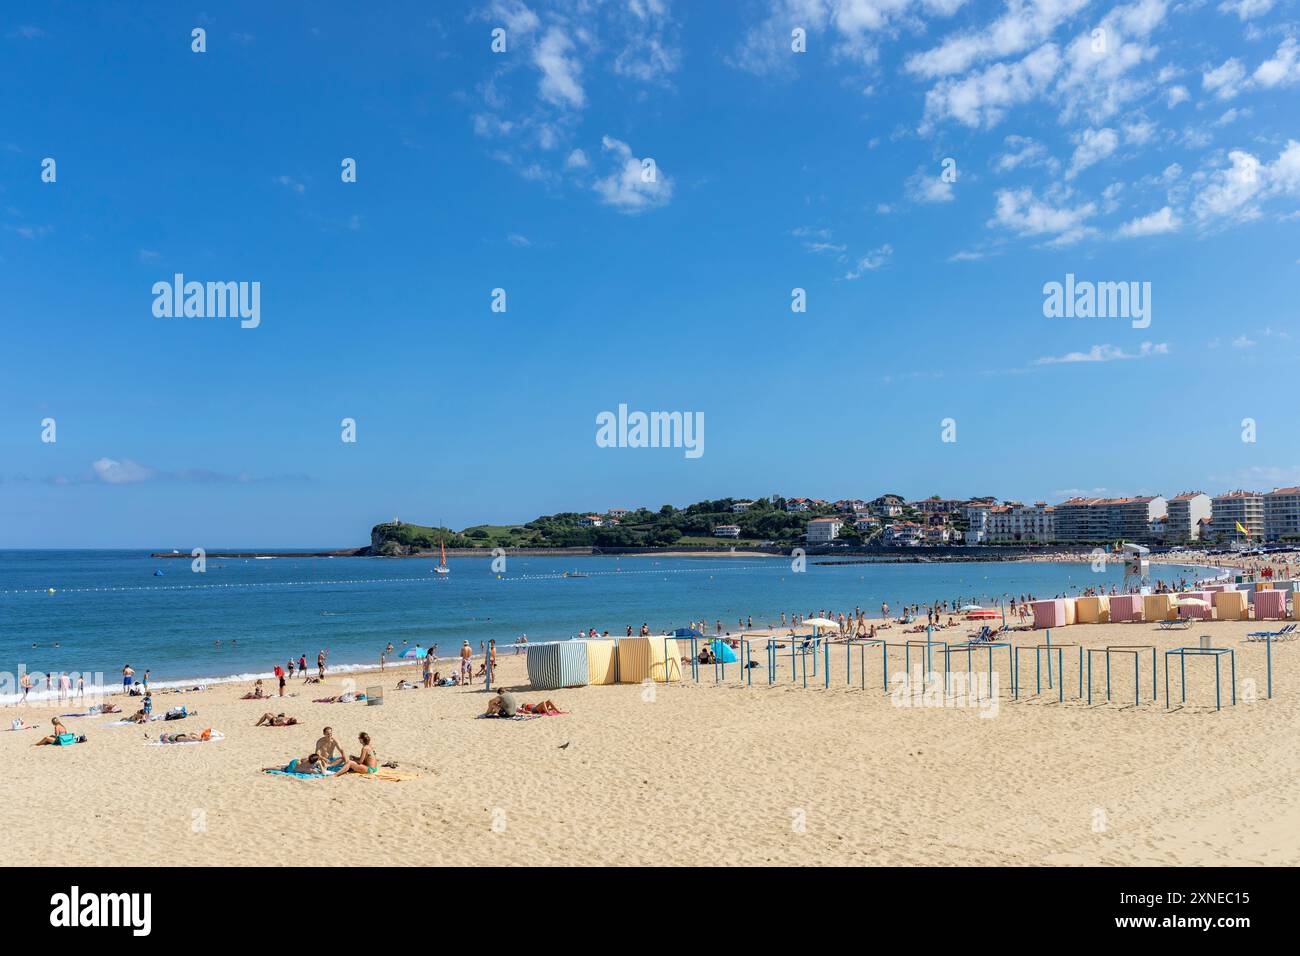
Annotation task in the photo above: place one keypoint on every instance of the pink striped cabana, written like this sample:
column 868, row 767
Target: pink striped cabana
column 1048, row 613
column 1125, row 607
column 1270, row 605
column 1197, row 613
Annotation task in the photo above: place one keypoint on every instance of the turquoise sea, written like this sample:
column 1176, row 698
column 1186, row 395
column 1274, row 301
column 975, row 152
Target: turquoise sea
column 108, row 608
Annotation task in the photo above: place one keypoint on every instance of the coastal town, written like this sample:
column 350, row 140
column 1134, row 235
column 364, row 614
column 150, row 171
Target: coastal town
column 1233, row 518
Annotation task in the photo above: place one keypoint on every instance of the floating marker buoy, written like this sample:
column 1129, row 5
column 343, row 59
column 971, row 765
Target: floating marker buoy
column 51, row 590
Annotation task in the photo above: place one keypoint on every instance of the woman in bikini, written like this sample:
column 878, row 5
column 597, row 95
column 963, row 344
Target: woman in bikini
column 275, row 720
column 365, row 762
column 58, row 729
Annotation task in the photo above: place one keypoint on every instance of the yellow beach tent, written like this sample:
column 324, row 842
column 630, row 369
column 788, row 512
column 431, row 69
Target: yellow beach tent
column 643, row 658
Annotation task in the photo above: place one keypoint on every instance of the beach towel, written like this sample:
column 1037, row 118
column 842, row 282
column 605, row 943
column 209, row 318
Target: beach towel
column 88, row 713
column 132, row 723
column 515, row 717
column 19, row 725
column 216, row 735
column 333, row 767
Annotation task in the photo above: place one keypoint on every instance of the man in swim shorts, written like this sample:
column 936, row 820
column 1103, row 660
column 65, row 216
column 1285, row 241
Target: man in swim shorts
column 328, row 745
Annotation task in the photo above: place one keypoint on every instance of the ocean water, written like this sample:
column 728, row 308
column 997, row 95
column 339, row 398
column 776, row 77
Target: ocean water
column 243, row 616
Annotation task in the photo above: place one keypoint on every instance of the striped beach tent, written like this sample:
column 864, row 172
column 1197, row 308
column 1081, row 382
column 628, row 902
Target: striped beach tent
column 558, row 664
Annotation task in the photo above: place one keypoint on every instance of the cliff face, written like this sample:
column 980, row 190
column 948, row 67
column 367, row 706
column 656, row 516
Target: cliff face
column 384, row 542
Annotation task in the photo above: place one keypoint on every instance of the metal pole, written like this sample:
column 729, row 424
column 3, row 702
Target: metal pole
column 1232, row 656
column 1268, row 650
column 1049, row 657
column 1060, row 670
column 1167, row 653
column 1090, row 677
column 1218, row 702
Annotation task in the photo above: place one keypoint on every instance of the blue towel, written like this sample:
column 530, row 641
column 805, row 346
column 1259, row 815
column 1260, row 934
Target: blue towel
column 307, row 776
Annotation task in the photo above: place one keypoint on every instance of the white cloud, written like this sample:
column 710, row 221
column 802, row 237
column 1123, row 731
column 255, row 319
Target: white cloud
column 1283, row 69
column 1161, row 221
column 1023, row 151
column 290, row 183
column 1246, row 9
column 847, row 29
column 1225, row 80
column 126, row 472
column 871, row 261
column 488, row 125
column 1094, row 146
column 634, row 186
column 561, row 71
column 577, row 160
column 927, row 186
column 1024, row 24
column 1105, row 353
column 517, row 19
column 650, row 53
column 1235, row 193
column 1175, row 95
column 1020, row 211
column 983, row 98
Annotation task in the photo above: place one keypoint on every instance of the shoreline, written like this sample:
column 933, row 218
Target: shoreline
column 504, row 651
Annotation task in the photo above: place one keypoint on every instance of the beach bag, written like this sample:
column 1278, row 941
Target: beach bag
column 66, row 740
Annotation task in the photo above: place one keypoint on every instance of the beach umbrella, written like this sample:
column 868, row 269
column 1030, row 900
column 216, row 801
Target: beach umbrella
column 413, row 652
column 971, row 607
column 817, row 622
column 686, row 632
column 1192, row 602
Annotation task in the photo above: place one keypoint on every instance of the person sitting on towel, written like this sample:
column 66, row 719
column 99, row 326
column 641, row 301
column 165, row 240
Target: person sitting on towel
column 52, row 738
column 503, row 704
column 327, row 746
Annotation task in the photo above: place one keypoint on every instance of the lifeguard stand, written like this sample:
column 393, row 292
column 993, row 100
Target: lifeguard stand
column 1137, row 569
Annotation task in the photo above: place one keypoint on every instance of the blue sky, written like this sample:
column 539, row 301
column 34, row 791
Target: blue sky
column 1164, row 152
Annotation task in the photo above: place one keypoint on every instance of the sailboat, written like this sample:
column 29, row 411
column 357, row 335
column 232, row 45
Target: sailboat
column 442, row 565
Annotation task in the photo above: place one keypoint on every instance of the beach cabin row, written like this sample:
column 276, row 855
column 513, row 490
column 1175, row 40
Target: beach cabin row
column 1226, row 604
column 577, row 663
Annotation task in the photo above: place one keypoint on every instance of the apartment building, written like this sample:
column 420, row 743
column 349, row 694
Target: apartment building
column 1282, row 514
column 1186, row 509
column 1236, row 507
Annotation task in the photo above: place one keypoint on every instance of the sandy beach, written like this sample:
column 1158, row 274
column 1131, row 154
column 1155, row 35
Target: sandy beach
column 695, row 773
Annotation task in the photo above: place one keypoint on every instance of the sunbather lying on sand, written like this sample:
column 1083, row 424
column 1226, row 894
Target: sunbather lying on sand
column 309, row 764
column 185, row 738
column 344, row 698
column 545, row 707
column 254, row 694
column 275, row 720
